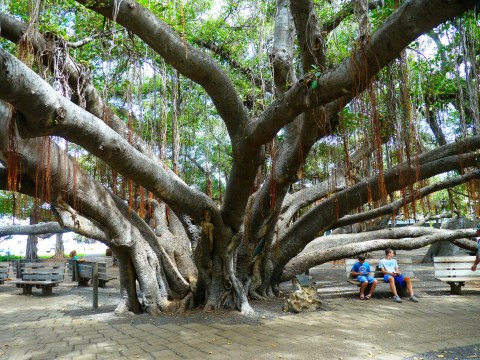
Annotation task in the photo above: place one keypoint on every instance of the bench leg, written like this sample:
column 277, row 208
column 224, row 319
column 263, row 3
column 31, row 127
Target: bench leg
column 46, row 290
column 27, row 290
column 83, row 281
column 456, row 288
column 102, row 283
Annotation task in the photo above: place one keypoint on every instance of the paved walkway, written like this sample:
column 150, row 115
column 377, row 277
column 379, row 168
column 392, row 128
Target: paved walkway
column 37, row 327
column 63, row 326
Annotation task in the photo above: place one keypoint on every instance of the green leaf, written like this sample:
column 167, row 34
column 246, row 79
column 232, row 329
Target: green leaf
column 314, row 84
column 317, row 74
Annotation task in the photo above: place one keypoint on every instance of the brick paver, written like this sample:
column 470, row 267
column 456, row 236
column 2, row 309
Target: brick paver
column 35, row 327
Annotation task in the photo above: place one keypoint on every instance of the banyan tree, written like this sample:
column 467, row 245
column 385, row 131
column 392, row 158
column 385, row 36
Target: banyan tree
column 212, row 146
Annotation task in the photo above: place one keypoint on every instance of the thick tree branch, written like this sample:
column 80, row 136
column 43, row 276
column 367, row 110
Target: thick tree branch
column 300, row 264
column 346, row 11
column 189, row 61
column 47, row 113
column 76, row 75
column 394, row 206
column 37, row 229
column 309, row 34
column 411, row 20
column 329, row 210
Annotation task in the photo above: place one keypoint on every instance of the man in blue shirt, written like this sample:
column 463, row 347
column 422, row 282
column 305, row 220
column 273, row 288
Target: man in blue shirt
column 361, row 270
column 392, row 275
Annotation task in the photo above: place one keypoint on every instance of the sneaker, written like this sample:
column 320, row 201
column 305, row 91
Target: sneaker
column 397, row 299
column 414, row 298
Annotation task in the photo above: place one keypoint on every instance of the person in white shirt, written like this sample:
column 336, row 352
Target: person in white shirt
column 392, row 275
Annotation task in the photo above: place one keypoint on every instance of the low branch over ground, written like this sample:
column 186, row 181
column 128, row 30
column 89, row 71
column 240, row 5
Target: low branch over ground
column 37, row 229
column 354, row 244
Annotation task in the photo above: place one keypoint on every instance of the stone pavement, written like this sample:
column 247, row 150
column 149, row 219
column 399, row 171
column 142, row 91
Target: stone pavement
column 37, row 327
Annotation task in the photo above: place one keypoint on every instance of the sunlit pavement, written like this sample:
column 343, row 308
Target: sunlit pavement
column 37, row 327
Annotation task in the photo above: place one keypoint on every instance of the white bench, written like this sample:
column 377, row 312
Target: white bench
column 455, row 271
column 405, row 265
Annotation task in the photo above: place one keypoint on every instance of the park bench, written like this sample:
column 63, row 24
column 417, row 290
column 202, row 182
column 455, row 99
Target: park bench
column 405, row 265
column 455, row 271
column 4, row 267
column 82, row 272
column 45, row 275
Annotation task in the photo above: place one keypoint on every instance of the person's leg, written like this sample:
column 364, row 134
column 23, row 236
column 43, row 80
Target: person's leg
column 362, row 289
column 393, row 289
column 372, row 288
column 409, row 286
column 408, row 283
column 363, row 281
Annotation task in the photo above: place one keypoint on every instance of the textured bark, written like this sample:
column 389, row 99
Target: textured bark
column 59, row 248
column 297, row 265
column 128, row 235
column 31, row 251
column 157, row 254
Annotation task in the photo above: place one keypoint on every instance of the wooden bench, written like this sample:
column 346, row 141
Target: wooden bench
column 405, row 265
column 44, row 275
column 455, row 271
column 4, row 268
column 82, row 272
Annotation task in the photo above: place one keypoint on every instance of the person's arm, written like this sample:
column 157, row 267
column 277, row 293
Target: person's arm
column 354, row 272
column 475, row 263
column 382, row 267
column 397, row 271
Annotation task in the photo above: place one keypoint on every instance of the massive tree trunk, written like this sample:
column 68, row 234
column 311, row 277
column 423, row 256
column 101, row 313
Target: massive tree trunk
column 247, row 245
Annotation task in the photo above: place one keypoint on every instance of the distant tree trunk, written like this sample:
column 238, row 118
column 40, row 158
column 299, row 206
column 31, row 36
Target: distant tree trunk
column 175, row 128
column 446, row 248
column 59, row 248
column 31, row 251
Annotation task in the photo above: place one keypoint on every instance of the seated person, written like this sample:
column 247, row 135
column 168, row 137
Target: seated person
column 361, row 270
column 392, row 275
column 74, row 256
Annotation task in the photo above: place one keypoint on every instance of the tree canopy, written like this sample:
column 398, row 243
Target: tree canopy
column 211, row 145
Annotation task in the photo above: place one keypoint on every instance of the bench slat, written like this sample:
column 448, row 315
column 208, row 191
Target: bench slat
column 458, row 279
column 41, row 265
column 453, row 259
column 34, row 282
column 43, row 271
column 456, row 272
column 453, row 266
column 43, row 277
